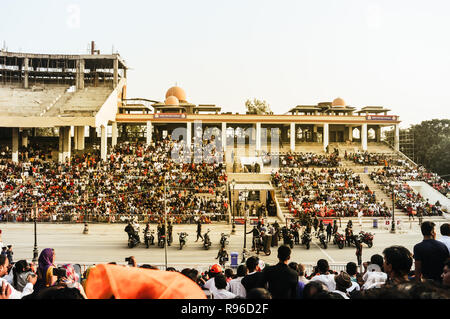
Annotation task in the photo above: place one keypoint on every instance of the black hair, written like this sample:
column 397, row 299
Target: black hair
column 323, row 266
column 259, row 293
column 312, row 288
column 241, row 270
column 284, row 252
column 293, row 265
column 427, row 227
column 3, row 260
column 445, row 229
column 327, row 295
column 19, row 267
column 220, row 281
column 251, row 263
column 228, row 272
column 400, row 258
column 377, row 260
column 58, row 292
column 171, row 269
column 351, row 268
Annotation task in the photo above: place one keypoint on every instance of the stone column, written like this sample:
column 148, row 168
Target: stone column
column 188, row 134
column 116, row 72
column 396, row 137
column 350, row 133
column 25, row 138
column 65, row 144
column 325, row 136
column 292, row 137
column 80, row 74
column 258, row 137
column 25, row 78
column 79, row 137
column 15, row 144
column 75, row 137
column 378, row 134
column 104, row 142
column 224, row 136
column 115, row 133
column 149, row 132
column 364, row 136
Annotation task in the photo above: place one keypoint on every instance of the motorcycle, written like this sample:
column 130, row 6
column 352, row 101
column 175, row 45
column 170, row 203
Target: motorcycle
column 149, row 238
column 133, row 236
column 262, row 243
column 339, row 240
column 306, row 239
column 366, row 238
column 183, row 236
column 206, row 240
column 161, row 241
column 223, row 240
column 323, row 240
column 288, row 239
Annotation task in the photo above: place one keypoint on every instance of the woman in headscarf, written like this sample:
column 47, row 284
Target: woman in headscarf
column 45, row 269
column 72, row 279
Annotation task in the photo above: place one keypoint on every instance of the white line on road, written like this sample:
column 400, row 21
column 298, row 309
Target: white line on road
column 323, row 251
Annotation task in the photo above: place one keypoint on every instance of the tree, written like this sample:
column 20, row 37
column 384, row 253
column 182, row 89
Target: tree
column 438, row 158
column 257, row 107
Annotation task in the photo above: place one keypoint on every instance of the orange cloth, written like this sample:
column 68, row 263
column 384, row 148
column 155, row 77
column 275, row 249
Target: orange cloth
column 105, row 281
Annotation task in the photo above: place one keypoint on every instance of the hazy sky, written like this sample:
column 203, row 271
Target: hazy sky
column 369, row 52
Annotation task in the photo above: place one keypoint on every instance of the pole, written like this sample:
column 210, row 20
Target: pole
column 165, row 222
column 35, row 249
column 233, row 207
column 393, row 210
column 245, row 227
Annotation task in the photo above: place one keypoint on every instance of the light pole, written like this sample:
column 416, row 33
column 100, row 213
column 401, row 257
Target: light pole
column 233, row 207
column 35, row 249
column 245, row 194
column 393, row 209
column 165, row 220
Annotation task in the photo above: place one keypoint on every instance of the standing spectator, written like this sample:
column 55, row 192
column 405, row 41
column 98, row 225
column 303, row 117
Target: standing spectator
column 4, row 252
column 15, row 294
column 300, row 285
column 343, row 283
column 429, row 255
column 282, row 280
column 358, row 253
column 329, row 231
column 301, row 274
column 221, row 284
column 229, row 274
column 199, row 230
column 254, row 279
column 9, row 254
column 235, row 285
column 445, row 235
column 352, row 270
column 323, row 275
column 397, row 264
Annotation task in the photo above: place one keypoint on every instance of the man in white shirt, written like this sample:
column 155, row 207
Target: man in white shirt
column 324, row 275
column 343, row 282
column 221, row 292
column 445, row 232
column 235, row 286
column 27, row 290
column 374, row 276
column 213, row 272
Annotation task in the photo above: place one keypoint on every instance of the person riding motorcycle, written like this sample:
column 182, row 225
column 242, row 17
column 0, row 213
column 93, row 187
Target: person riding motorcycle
column 169, row 232
column 222, row 255
column 315, row 223
column 131, row 231
column 149, row 240
column 294, row 228
column 161, row 231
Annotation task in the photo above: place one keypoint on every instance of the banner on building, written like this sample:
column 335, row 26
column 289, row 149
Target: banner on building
column 381, row 117
column 169, row 116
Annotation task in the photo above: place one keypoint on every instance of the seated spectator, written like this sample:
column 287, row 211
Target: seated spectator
column 21, row 271
column 72, row 279
column 301, row 285
column 259, row 293
column 445, row 235
column 446, row 275
column 374, row 277
column 235, row 285
column 313, row 288
column 210, row 283
column 398, row 261
column 302, row 274
column 220, row 292
column 323, row 275
column 11, row 292
column 343, row 283
column 352, row 269
column 46, row 263
column 254, row 278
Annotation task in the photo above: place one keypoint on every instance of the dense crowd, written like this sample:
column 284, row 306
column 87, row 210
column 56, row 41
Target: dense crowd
column 367, row 158
column 405, row 197
column 296, row 160
column 130, row 181
column 327, row 192
column 389, row 276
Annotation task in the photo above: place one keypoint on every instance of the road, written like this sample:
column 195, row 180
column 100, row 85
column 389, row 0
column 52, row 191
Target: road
column 108, row 242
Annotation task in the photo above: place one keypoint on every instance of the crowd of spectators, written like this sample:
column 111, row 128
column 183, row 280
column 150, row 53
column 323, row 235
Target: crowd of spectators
column 130, row 181
column 375, row 159
column 327, row 192
column 406, row 198
column 297, row 160
column 387, row 276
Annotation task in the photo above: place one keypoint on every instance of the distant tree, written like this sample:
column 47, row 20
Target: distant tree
column 438, row 158
column 257, row 107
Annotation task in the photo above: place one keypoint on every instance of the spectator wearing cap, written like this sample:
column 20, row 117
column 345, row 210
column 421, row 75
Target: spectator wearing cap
column 282, row 280
column 430, row 254
column 343, row 282
column 323, row 274
column 220, row 292
column 254, row 278
column 213, row 272
column 445, row 235
column 235, row 285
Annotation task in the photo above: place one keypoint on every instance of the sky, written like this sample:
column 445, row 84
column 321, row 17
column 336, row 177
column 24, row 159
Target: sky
column 288, row 52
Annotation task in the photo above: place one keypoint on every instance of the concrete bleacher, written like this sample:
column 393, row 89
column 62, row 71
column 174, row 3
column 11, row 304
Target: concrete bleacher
column 89, row 99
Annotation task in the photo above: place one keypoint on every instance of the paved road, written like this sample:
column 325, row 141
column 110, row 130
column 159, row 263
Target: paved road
column 108, row 242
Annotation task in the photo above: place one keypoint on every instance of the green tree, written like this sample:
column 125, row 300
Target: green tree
column 257, row 107
column 438, row 157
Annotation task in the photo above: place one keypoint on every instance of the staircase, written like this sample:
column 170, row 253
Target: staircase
column 284, row 210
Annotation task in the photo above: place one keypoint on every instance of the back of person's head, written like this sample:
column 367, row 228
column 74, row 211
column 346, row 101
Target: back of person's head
column 343, row 281
column 400, row 259
column 293, row 265
column 229, row 272
column 427, row 228
column 59, row 292
column 301, row 269
column 171, row 269
column 322, row 266
column 241, row 270
column 220, row 281
column 284, row 253
column 3, row 260
column 327, row 295
column 312, row 288
column 259, row 293
column 251, row 263
column 377, row 260
column 351, row 268
column 445, row 229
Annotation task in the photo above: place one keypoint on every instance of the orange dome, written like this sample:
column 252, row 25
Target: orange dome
column 177, row 92
column 338, row 102
column 172, row 100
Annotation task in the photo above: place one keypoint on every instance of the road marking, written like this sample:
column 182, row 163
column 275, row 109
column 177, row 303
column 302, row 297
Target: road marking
column 323, row 251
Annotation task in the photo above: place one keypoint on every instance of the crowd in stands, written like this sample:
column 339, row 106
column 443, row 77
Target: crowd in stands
column 297, row 160
column 405, row 197
column 384, row 277
column 327, row 192
column 130, row 181
column 367, row 158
